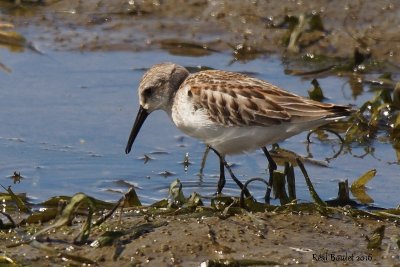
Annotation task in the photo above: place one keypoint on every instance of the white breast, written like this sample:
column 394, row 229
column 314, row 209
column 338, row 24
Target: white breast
column 195, row 123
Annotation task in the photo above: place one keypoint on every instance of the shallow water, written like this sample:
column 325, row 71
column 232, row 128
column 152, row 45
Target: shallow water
column 66, row 116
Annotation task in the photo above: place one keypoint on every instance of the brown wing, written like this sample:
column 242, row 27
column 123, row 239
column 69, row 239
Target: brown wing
column 233, row 99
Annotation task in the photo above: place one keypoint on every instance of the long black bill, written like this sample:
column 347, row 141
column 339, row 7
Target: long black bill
column 140, row 118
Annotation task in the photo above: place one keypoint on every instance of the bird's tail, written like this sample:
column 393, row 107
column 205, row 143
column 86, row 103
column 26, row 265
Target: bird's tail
column 338, row 111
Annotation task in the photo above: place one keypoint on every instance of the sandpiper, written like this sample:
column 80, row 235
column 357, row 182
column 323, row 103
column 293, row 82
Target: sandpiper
column 230, row 112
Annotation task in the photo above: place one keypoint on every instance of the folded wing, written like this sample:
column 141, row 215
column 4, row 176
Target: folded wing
column 233, row 99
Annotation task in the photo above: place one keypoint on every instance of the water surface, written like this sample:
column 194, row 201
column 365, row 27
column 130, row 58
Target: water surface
column 66, row 116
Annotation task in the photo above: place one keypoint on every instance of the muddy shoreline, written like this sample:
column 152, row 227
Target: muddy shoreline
column 245, row 29
column 256, row 239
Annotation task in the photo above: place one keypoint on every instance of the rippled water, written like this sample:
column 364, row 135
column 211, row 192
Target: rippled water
column 65, row 119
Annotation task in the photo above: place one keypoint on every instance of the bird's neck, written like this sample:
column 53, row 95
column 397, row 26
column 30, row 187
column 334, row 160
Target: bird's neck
column 172, row 96
column 169, row 104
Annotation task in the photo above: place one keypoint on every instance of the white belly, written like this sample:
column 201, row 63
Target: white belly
column 231, row 139
column 236, row 140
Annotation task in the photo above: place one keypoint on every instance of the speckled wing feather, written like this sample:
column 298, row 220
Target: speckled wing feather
column 234, row 99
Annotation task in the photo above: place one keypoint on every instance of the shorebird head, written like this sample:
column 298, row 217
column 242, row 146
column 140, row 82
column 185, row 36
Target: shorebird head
column 156, row 90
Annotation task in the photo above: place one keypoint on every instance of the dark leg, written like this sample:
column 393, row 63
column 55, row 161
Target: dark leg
column 246, row 192
column 203, row 161
column 221, row 182
column 271, row 167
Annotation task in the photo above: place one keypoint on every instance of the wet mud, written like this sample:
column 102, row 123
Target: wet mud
column 261, row 239
column 244, row 28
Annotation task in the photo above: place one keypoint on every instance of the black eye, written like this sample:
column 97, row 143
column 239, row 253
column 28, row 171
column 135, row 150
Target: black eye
column 148, row 92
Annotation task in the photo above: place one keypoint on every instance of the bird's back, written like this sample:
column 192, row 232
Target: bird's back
column 234, row 99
